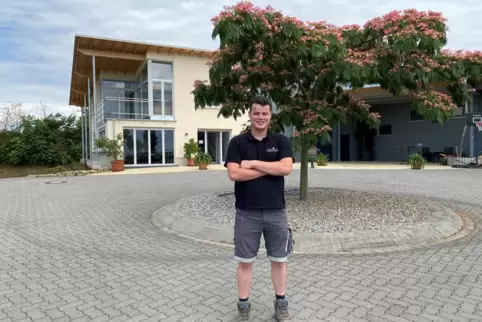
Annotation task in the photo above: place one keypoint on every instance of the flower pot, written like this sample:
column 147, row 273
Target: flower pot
column 417, row 165
column 203, row 166
column 321, row 163
column 190, row 162
column 117, row 165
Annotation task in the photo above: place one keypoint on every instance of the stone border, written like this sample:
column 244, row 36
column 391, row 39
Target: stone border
column 74, row 173
column 442, row 227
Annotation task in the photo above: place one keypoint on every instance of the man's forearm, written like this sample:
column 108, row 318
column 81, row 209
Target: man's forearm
column 241, row 174
column 273, row 168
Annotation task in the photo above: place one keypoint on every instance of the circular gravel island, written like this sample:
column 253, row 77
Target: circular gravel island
column 330, row 221
column 326, row 210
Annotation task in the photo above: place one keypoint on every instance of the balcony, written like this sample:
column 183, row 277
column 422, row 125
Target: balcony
column 122, row 108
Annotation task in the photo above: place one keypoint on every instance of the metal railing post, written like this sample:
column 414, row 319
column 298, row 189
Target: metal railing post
column 94, row 98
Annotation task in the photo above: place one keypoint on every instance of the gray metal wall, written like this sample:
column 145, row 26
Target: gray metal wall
column 405, row 133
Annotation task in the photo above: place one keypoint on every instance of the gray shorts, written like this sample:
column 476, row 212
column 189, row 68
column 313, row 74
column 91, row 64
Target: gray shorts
column 248, row 227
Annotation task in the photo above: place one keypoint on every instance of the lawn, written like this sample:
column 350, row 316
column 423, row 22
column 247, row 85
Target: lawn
column 14, row 171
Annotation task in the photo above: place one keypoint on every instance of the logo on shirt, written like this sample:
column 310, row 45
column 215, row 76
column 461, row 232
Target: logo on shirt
column 273, row 149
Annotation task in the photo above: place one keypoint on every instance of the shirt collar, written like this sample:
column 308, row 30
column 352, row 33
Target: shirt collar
column 252, row 138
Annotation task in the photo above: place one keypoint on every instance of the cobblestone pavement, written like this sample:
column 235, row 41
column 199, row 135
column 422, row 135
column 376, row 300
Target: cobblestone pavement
column 86, row 251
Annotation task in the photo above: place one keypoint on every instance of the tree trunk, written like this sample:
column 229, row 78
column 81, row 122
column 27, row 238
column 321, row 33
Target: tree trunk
column 304, row 170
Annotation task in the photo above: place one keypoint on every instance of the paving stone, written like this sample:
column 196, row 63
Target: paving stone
column 87, row 251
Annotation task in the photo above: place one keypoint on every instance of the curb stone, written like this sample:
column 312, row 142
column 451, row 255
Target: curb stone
column 442, row 227
column 76, row 173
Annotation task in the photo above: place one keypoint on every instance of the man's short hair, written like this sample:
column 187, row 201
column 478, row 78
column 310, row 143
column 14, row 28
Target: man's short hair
column 260, row 100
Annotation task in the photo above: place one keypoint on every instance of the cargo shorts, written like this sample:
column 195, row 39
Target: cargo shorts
column 250, row 225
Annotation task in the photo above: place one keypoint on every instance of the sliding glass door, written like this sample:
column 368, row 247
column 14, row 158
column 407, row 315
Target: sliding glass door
column 148, row 146
column 214, row 143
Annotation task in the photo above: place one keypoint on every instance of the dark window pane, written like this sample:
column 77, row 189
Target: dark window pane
column 128, row 146
column 414, row 116
column 226, row 136
column 142, row 148
column 385, row 129
column 156, row 147
column 169, row 148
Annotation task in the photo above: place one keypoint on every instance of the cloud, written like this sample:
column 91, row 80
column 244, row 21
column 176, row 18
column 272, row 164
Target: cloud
column 36, row 37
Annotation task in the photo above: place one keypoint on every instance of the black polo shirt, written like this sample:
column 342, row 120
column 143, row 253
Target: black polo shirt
column 266, row 192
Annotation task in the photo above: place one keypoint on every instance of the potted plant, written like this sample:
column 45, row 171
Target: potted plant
column 322, row 159
column 190, row 150
column 203, row 160
column 416, row 161
column 113, row 149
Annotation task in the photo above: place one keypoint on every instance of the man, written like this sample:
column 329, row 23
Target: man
column 257, row 162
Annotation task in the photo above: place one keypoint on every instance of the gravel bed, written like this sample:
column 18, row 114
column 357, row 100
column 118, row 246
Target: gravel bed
column 326, row 210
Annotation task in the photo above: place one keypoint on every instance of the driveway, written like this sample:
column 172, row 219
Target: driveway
column 86, row 251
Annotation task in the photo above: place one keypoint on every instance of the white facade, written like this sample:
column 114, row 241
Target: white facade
column 154, row 110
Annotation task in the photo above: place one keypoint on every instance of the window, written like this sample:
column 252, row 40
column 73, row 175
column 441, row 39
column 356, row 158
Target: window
column 162, row 97
column 414, row 116
column 162, row 89
column 161, row 70
column 385, row 129
column 148, row 146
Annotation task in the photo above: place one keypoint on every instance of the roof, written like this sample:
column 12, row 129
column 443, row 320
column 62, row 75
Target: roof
column 113, row 55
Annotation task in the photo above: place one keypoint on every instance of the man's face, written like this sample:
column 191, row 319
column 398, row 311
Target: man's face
column 260, row 116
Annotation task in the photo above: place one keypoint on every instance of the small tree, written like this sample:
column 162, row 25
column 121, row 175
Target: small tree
column 303, row 66
column 112, row 147
column 11, row 116
column 190, row 149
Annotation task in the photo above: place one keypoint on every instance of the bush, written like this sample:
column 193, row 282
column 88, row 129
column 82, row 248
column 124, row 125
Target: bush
column 50, row 141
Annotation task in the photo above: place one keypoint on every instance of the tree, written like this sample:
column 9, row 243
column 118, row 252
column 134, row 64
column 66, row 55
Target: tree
column 302, row 66
column 43, row 108
column 10, row 116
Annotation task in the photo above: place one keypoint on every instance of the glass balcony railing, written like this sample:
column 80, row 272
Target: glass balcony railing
column 122, row 108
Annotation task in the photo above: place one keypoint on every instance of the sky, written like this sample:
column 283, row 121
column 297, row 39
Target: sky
column 37, row 37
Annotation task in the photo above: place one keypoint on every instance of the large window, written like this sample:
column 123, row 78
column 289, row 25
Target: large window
column 162, row 97
column 148, row 146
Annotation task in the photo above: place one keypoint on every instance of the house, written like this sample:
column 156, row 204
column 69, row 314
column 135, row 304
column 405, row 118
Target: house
column 143, row 91
column 402, row 131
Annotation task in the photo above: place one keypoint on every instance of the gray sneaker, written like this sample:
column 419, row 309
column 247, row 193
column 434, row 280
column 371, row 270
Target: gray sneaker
column 281, row 310
column 243, row 310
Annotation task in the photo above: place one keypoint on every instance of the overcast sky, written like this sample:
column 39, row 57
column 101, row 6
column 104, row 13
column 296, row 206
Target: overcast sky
column 36, row 37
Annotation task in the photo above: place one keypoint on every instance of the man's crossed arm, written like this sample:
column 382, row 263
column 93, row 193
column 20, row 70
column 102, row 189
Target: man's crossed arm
column 249, row 170
column 245, row 170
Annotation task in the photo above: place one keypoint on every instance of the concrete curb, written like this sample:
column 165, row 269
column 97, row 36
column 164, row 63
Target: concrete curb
column 443, row 226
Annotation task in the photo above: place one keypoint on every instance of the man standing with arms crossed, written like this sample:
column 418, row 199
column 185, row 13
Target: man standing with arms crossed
column 257, row 162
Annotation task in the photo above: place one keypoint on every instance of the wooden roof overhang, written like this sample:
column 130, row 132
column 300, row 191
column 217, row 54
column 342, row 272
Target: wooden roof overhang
column 112, row 55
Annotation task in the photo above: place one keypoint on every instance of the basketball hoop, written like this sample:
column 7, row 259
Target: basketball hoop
column 479, row 125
